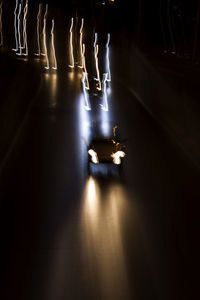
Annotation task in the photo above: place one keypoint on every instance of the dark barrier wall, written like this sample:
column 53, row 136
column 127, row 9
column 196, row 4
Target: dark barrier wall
column 19, row 83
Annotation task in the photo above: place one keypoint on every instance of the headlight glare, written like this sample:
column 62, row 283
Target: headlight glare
column 94, row 156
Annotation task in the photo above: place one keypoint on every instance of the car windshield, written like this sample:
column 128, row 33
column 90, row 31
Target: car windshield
column 105, row 147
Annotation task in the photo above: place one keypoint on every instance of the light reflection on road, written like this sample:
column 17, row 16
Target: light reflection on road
column 52, row 81
column 104, row 210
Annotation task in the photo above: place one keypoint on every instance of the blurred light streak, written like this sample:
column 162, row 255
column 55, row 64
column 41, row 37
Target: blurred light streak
column 107, row 58
column 44, row 30
column 15, row 27
column 19, row 35
column 38, row 30
column 1, row 28
column 87, row 86
column 87, row 105
column 25, row 45
column 71, row 44
column 96, row 50
column 104, row 211
column 105, row 100
column 81, row 43
column 84, row 120
column 44, row 39
column 53, row 47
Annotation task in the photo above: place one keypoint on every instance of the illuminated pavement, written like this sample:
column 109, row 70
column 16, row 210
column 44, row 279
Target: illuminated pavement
column 69, row 236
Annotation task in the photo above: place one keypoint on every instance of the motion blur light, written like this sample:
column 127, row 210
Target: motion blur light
column 117, row 157
column 94, row 156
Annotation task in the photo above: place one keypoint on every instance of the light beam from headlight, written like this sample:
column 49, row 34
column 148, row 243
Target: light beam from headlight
column 87, row 86
column 87, row 106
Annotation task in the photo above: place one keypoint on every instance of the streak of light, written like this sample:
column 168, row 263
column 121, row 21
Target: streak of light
column 19, row 35
column 84, row 130
column 1, row 29
column 105, row 99
column 96, row 50
column 107, row 58
column 44, row 39
column 38, row 30
column 44, row 30
column 15, row 27
column 25, row 46
column 105, row 211
column 81, row 43
column 87, row 86
column 71, row 44
column 91, row 203
column 52, row 85
column 53, row 47
column 87, row 105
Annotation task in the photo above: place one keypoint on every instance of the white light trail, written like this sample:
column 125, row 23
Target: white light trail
column 107, row 58
column 19, row 35
column 44, row 31
column 44, row 39
column 15, row 27
column 105, row 105
column 87, row 86
column 25, row 46
column 96, row 50
column 53, row 46
column 38, row 30
column 87, row 105
column 71, row 44
column 81, row 43
column 1, row 29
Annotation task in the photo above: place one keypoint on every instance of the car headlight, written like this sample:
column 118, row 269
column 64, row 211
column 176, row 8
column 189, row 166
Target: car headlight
column 117, row 157
column 94, row 156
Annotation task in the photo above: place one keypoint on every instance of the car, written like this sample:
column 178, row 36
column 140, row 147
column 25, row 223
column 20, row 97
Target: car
column 104, row 152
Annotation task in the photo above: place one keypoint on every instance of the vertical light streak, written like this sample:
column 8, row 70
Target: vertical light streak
column 87, row 105
column 1, row 30
column 96, row 50
column 38, row 30
column 15, row 27
column 85, row 70
column 53, row 46
column 105, row 105
column 108, row 59
column 71, row 44
column 44, row 39
column 81, row 43
column 19, row 35
column 44, row 30
column 25, row 46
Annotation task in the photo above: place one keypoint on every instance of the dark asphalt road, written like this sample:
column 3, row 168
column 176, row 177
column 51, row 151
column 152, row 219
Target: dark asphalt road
column 69, row 236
